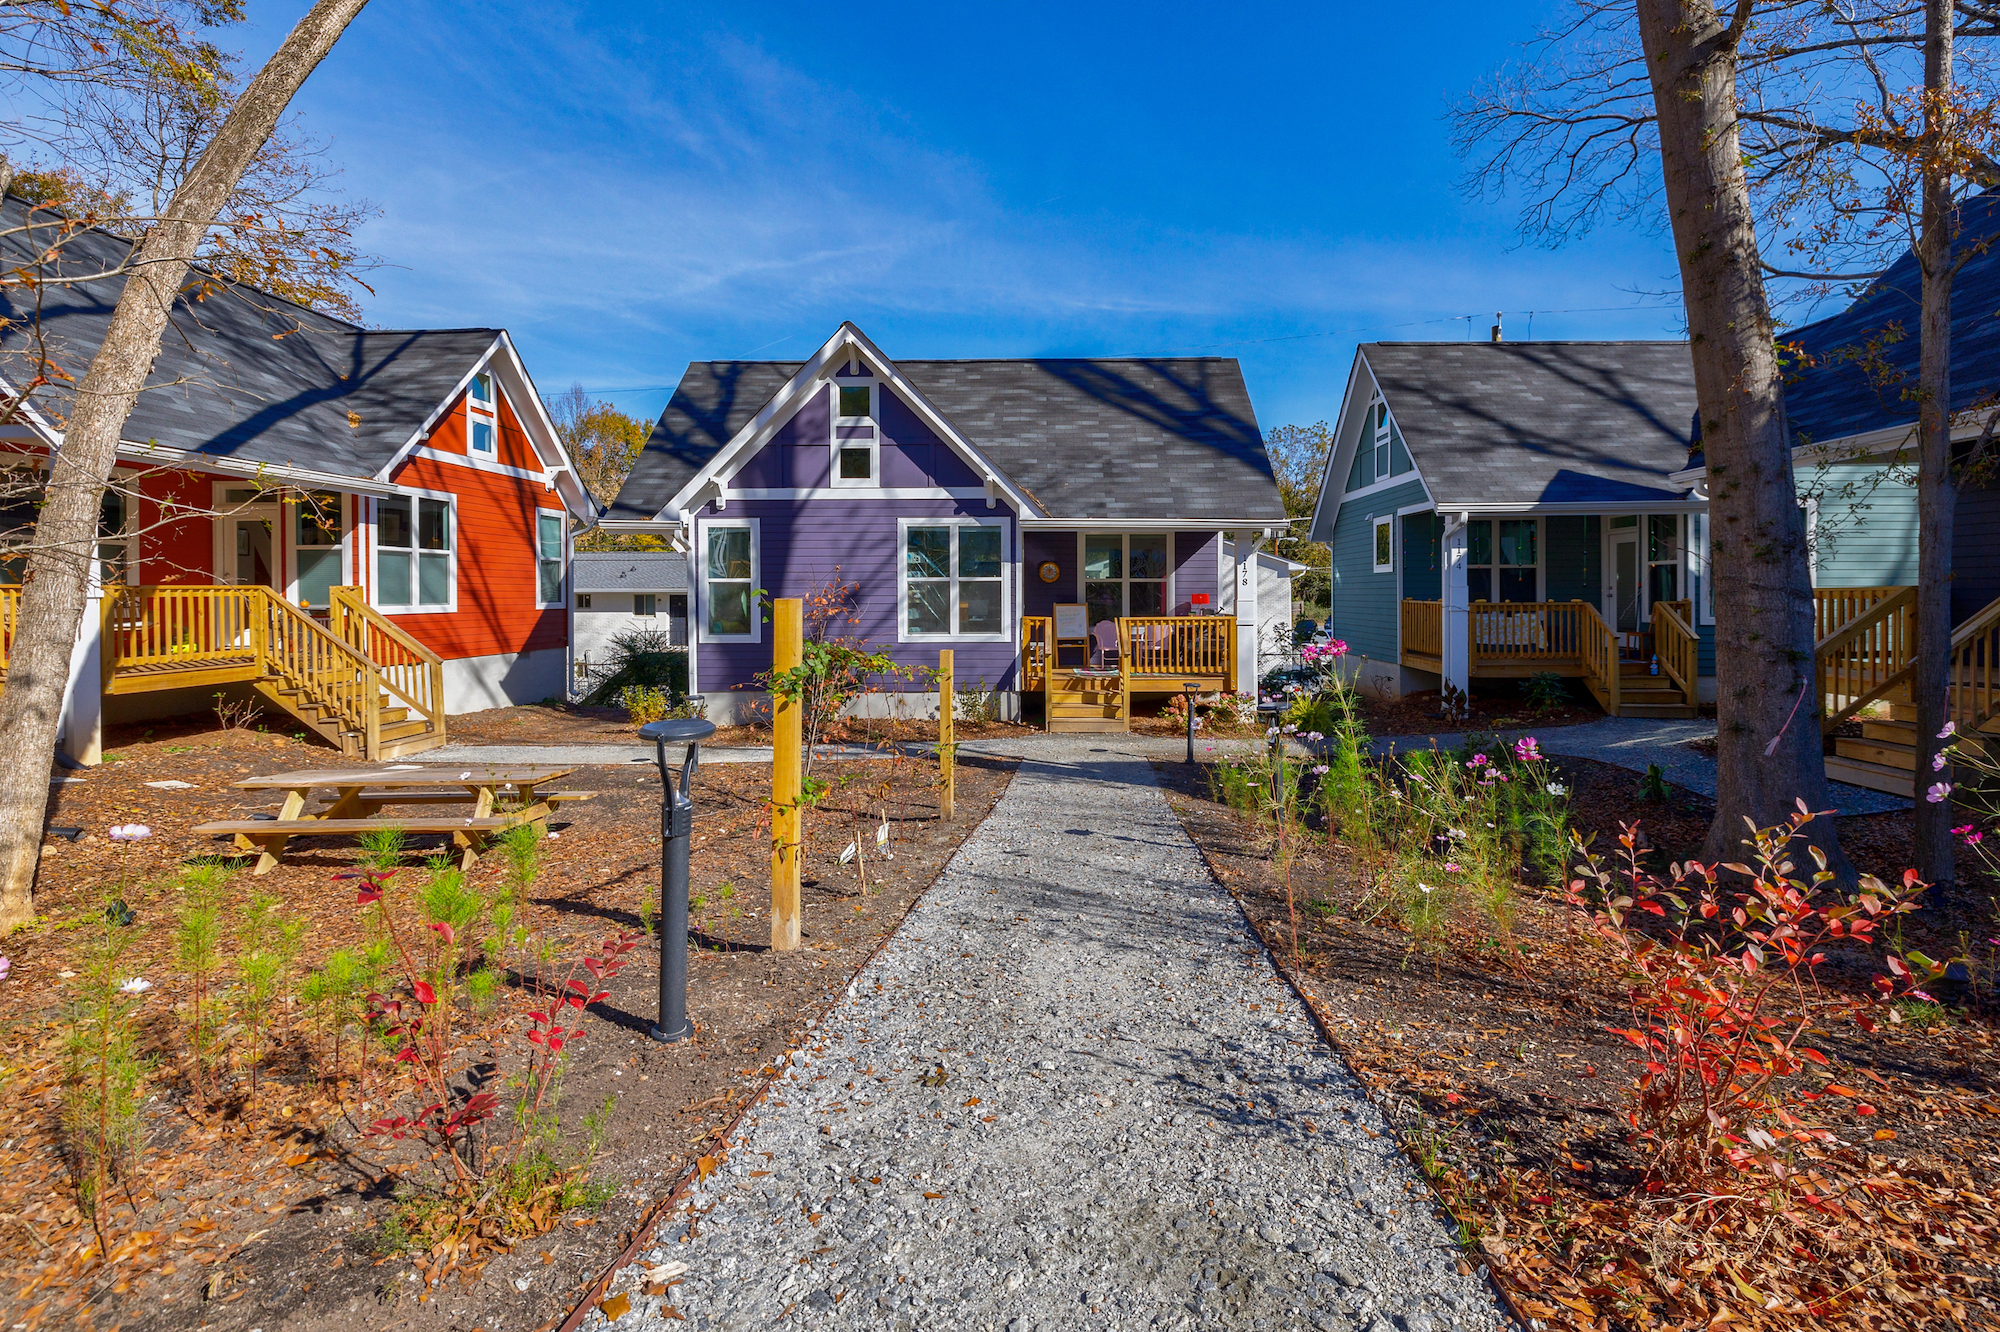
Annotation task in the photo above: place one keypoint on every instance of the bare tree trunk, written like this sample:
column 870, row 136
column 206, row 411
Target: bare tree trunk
column 56, row 584
column 1937, row 490
column 1761, row 582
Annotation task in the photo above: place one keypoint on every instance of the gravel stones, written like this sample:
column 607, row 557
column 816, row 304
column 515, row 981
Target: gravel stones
column 1071, row 1092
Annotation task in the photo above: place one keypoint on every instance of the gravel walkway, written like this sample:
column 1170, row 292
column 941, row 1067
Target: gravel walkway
column 1071, row 1092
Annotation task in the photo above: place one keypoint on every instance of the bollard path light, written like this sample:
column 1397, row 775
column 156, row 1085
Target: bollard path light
column 1193, row 687
column 676, row 828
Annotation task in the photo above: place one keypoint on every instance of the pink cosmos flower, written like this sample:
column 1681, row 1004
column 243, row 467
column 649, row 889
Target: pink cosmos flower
column 1950, row 729
column 1938, row 761
column 130, row 832
column 1939, row 793
column 1477, row 761
column 1527, row 750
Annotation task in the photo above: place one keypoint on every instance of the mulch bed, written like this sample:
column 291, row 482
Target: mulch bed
column 1493, row 1057
column 1497, row 705
column 578, row 724
column 258, row 1212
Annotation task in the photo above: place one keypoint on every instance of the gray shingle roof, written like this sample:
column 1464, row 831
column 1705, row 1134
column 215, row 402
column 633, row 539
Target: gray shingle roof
column 240, row 374
column 1166, row 438
column 624, row 571
column 1541, row 422
column 1852, row 389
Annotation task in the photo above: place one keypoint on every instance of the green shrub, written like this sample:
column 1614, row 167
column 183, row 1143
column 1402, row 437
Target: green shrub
column 639, row 659
column 1545, row 691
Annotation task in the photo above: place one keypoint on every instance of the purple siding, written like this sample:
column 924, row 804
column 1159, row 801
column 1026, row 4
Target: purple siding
column 805, row 544
column 798, row 456
column 1195, row 569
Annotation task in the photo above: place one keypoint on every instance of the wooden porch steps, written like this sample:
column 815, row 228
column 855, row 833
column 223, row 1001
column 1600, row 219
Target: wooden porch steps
column 1884, row 756
column 1088, row 706
column 1643, row 694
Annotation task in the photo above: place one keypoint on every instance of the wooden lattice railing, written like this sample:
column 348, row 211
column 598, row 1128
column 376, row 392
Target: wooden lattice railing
column 1179, row 645
column 1677, row 645
column 1867, row 656
column 1834, row 607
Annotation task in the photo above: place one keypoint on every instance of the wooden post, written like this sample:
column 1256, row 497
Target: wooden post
column 787, row 635
column 947, row 732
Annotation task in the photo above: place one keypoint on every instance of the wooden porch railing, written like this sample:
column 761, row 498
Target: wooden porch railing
column 1037, row 651
column 174, row 626
column 1677, row 645
column 1179, row 645
column 1834, row 607
column 1526, row 631
column 409, row 670
column 1867, row 656
column 1597, row 649
column 10, row 615
column 1423, row 628
column 1975, row 670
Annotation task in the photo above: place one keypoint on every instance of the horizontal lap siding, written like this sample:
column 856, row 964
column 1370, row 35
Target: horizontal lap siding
column 1975, row 549
column 1365, row 609
column 181, row 552
column 1045, row 547
column 1866, row 535
column 496, row 564
column 1196, row 569
column 804, row 545
column 1573, row 558
column 1423, row 554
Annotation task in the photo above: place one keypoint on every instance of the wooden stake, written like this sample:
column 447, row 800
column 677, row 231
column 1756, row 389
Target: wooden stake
column 787, row 826
column 947, row 731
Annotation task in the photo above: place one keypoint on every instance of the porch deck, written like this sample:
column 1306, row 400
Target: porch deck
column 1512, row 640
column 355, row 678
column 1159, row 654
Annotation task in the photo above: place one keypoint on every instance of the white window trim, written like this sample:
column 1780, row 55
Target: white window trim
column 292, row 547
column 226, row 512
column 1379, row 421
column 409, row 552
column 583, row 601
column 652, row 614
column 702, row 528
column 903, row 526
column 489, row 414
column 1698, row 566
column 1375, row 539
column 562, row 566
column 874, row 442
column 1168, row 593
column 1494, row 568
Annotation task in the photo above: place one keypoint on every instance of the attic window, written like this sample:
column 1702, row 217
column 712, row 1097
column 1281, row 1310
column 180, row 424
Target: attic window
column 855, row 403
column 855, row 446
column 480, row 417
column 1381, row 423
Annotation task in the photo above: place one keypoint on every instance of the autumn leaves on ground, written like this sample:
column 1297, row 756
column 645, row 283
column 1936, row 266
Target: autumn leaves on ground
column 435, row 1107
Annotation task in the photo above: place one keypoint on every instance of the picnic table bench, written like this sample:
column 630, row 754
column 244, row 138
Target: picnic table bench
column 346, row 801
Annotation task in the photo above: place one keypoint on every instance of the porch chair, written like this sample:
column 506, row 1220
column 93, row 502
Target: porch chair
column 1104, row 645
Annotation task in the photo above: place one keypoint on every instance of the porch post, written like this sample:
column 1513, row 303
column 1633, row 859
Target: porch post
column 1246, row 541
column 1456, row 644
column 82, row 731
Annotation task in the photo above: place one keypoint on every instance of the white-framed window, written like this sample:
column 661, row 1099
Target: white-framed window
column 548, row 558
column 857, row 444
column 727, row 578
column 583, row 601
column 1380, row 420
column 645, row 605
column 1504, row 560
column 952, row 579
column 319, row 545
column 1385, row 545
column 482, row 415
column 416, row 553
column 1663, row 557
column 1125, row 573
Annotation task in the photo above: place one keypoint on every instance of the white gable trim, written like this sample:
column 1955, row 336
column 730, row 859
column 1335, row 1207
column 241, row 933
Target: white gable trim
column 1334, row 482
column 847, row 342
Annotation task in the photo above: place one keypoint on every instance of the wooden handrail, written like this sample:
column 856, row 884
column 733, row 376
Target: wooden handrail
column 408, row 669
column 1974, row 696
column 1677, row 645
column 1037, row 647
column 1597, row 650
column 1867, row 656
column 1178, row 645
column 1837, row 606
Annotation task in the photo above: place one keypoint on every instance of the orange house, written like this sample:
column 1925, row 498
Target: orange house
column 369, row 529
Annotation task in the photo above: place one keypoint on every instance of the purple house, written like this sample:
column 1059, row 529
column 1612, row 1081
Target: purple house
column 966, row 501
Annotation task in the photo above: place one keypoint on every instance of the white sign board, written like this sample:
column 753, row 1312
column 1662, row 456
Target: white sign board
column 1071, row 622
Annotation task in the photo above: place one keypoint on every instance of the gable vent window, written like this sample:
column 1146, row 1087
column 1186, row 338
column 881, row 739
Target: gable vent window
column 856, row 448
column 481, row 421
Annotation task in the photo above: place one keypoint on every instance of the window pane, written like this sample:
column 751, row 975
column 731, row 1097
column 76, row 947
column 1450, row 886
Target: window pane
column 979, row 606
column 643, row 604
column 729, row 608
column 978, row 552
column 854, row 464
column 433, row 580
column 729, row 554
column 549, row 575
column 1663, row 536
column 1517, row 541
column 930, row 552
column 319, row 519
column 1384, row 547
column 433, row 525
column 392, row 526
column 111, row 514
column 1517, row 585
column 550, row 527
column 1628, row 520
column 854, row 402
column 1481, row 535
column 930, row 607
column 482, row 437
column 1149, row 557
column 1148, row 598
column 392, row 580
column 1664, row 582
column 1104, row 557
column 1478, row 584
column 319, row 571
column 1102, row 601
column 482, row 387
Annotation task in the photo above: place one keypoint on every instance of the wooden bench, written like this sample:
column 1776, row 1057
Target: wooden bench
column 452, row 796
column 269, row 836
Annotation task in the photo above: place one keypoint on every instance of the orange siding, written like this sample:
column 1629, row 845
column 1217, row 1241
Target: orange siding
column 513, row 449
column 496, row 563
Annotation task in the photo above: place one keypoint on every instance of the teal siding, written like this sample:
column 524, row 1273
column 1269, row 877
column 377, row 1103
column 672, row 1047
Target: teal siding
column 1866, row 535
column 1364, row 602
column 1573, row 558
column 1363, row 470
column 1399, row 456
column 1423, row 574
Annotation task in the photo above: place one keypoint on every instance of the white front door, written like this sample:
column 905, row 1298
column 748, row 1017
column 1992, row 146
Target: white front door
column 1625, row 582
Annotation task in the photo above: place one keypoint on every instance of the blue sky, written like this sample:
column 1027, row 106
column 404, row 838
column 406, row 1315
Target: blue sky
column 627, row 188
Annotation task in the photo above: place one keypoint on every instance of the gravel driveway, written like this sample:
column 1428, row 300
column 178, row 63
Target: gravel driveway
column 1071, row 1092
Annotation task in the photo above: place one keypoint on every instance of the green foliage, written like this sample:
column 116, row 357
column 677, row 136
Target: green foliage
column 268, row 943
column 830, row 675
column 198, row 949
column 643, row 705
column 973, row 702
column 334, row 1000
column 639, row 659
column 1545, row 691
column 104, row 1072
column 382, row 848
column 1653, row 786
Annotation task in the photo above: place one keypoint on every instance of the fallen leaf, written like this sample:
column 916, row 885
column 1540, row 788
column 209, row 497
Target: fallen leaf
column 616, row 1307
column 933, row 1195
column 1885, row 1135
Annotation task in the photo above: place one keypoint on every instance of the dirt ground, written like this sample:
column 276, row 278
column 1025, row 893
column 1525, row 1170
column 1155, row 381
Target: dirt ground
column 268, row 1211
column 1493, row 1055
column 1497, row 705
column 577, row 724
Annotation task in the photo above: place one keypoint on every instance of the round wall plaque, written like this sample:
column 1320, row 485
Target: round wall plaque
column 1049, row 571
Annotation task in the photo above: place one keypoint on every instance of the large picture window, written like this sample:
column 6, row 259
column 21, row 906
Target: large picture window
column 1125, row 574
column 954, row 577
column 729, row 576
column 1504, row 558
column 414, row 554
column 549, row 558
column 317, row 545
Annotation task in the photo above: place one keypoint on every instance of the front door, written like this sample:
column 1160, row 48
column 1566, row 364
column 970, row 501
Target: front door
column 1628, row 587
column 250, row 550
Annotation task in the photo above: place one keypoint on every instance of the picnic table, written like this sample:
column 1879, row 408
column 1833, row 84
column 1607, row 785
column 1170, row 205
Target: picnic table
column 327, row 801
